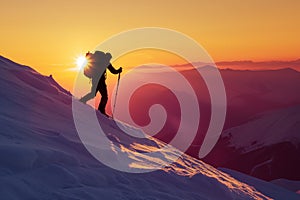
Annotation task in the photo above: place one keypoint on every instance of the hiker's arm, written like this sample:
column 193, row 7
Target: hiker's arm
column 113, row 70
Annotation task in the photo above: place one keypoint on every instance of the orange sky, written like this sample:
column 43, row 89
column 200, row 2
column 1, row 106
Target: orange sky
column 49, row 34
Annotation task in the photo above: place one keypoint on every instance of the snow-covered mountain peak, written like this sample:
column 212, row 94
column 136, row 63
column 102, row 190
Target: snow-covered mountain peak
column 267, row 129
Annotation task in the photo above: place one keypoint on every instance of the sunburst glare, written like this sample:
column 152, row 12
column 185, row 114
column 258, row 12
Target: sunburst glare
column 81, row 61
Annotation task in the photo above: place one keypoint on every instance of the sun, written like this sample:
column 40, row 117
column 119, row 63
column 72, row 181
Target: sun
column 81, row 61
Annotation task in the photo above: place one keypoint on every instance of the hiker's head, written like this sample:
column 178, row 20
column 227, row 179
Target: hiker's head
column 101, row 57
column 108, row 56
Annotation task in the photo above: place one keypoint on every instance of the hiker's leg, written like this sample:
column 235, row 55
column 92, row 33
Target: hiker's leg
column 104, row 97
column 89, row 95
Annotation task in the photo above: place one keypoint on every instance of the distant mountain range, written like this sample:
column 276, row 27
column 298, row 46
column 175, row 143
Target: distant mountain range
column 248, row 65
column 267, row 146
column 263, row 65
column 249, row 93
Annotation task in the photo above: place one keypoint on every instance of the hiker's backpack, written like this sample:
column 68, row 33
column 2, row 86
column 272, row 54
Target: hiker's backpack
column 88, row 71
column 97, row 62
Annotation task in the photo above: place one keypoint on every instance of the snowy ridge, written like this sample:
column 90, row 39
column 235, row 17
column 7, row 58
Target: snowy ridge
column 42, row 156
column 266, row 129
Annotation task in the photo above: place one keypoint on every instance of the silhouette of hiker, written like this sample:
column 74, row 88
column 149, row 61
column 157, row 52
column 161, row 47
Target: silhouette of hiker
column 98, row 62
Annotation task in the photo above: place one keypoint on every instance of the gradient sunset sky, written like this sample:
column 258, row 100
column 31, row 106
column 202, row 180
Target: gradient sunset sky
column 48, row 35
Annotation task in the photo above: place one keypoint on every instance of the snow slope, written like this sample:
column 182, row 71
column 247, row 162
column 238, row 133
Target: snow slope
column 260, row 185
column 288, row 184
column 42, row 156
column 267, row 146
column 266, row 129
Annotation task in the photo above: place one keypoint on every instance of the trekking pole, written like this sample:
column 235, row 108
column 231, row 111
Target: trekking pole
column 113, row 112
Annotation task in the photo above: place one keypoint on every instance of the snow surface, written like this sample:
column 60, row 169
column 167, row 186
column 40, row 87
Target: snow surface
column 42, row 156
column 266, row 129
column 262, row 186
column 288, row 184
